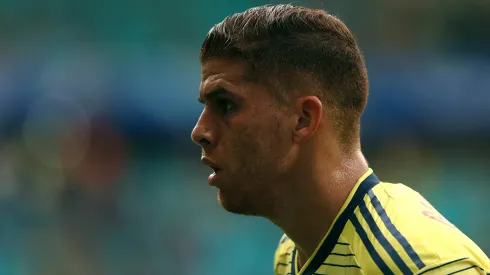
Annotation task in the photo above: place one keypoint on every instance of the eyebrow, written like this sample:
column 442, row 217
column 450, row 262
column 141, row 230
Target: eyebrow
column 203, row 97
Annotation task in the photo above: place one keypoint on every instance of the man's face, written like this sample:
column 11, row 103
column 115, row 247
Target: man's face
column 245, row 137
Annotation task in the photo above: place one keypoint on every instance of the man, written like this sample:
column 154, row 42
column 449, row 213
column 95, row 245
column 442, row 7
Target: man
column 283, row 89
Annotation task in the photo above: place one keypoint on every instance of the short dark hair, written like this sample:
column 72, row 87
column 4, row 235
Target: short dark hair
column 297, row 50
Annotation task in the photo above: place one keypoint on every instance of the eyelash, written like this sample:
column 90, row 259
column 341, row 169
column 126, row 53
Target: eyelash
column 223, row 104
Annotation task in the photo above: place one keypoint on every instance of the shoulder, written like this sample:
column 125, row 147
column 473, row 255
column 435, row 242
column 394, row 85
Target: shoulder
column 283, row 250
column 283, row 254
column 401, row 218
column 454, row 266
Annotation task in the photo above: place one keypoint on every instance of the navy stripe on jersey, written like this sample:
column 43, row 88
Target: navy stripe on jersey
column 344, row 266
column 382, row 239
column 337, row 228
column 369, row 246
column 284, row 239
column 394, row 231
column 442, row 265
column 340, row 254
column 293, row 263
column 464, row 269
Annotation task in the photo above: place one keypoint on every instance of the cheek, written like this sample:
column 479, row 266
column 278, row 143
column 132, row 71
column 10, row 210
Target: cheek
column 256, row 143
column 261, row 150
column 243, row 149
column 247, row 147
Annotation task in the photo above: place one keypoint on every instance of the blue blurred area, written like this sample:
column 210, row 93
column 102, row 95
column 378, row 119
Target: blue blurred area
column 98, row 174
column 437, row 97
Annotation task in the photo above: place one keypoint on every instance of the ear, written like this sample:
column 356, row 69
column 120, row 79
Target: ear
column 310, row 112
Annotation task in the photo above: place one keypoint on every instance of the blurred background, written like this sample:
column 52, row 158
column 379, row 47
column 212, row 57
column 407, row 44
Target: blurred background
column 98, row 174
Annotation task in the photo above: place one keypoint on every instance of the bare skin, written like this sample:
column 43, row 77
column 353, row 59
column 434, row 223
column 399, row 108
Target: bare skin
column 280, row 162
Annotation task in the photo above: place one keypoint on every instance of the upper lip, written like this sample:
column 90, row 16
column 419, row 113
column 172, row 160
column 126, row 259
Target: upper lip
column 208, row 162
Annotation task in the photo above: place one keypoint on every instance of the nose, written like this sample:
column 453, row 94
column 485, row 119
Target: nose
column 202, row 134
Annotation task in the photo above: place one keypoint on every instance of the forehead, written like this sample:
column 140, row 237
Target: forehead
column 231, row 75
column 230, row 70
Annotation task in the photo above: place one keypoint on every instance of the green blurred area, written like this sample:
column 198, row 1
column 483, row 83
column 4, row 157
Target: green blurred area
column 157, row 215
column 401, row 25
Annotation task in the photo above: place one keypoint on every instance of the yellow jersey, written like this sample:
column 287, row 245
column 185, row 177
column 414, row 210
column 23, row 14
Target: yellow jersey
column 386, row 228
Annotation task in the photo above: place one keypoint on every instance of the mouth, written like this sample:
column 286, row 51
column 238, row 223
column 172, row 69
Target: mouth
column 216, row 170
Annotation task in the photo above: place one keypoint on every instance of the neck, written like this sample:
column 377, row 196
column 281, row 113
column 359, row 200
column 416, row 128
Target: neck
column 318, row 197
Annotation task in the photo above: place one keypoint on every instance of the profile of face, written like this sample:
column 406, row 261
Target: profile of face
column 245, row 136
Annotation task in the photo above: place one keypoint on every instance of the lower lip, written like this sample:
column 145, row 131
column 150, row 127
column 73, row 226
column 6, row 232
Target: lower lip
column 213, row 177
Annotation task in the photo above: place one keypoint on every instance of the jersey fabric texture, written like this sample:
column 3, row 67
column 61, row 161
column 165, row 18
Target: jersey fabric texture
column 386, row 228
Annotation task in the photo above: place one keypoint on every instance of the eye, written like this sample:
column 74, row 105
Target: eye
column 225, row 105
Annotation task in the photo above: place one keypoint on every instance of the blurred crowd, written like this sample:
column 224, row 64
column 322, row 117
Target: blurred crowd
column 98, row 174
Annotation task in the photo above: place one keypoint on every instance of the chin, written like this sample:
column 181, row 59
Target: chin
column 236, row 204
